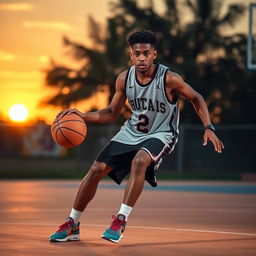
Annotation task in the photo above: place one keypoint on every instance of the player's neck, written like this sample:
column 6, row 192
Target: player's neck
column 143, row 77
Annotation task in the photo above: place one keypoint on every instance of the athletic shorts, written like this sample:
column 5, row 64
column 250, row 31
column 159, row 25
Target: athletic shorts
column 119, row 157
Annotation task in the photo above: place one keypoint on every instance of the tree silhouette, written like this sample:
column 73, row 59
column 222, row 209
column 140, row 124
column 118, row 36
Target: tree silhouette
column 214, row 64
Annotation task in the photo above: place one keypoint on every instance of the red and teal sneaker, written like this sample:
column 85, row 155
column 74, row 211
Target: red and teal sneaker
column 67, row 231
column 115, row 232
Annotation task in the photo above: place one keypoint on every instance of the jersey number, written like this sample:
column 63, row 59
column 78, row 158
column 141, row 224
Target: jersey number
column 143, row 122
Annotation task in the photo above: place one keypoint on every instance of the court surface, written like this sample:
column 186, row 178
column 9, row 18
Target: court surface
column 177, row 218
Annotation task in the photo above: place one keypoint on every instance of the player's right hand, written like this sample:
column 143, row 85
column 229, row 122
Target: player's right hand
column 209, row 135
column 69, row 111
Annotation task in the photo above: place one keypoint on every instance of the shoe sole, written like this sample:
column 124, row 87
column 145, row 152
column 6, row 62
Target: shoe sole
column 68, row 238
column 112, row 240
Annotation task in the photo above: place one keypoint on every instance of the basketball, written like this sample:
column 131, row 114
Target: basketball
column 69, row 130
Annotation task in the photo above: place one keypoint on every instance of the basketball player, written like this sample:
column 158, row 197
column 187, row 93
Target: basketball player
column 153, row 92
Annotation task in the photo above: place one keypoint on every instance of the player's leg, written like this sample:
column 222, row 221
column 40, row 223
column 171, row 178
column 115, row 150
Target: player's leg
column 132, row 192
column 89, row 185
column 70, row 229
column 135, row 183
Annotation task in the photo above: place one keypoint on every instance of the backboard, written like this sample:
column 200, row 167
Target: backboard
column 251, row 42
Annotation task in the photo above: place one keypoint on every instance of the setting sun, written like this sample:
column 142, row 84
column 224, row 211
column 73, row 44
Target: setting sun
column 18, row 112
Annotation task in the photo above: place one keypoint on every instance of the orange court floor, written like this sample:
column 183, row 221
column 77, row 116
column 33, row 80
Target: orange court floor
column 176, row 218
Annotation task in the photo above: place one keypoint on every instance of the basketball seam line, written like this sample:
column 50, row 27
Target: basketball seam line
column 63, row 136
column 56, row 132
column 64, row 122
column 68, row 121
column 72, row 131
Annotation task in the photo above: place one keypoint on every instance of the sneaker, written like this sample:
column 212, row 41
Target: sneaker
column 67, row 231
column 115, row 232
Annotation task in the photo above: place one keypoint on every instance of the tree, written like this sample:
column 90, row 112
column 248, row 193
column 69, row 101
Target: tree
column 214, row 64
column 96, row 69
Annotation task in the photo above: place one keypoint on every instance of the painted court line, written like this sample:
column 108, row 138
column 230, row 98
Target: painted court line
column 197, row 188
column 136, row 227
column 14, row 210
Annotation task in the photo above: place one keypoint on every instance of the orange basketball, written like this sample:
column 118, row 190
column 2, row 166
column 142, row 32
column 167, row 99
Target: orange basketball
column 69, row 131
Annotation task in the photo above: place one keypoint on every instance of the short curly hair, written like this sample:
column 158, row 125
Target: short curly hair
column 144, row 37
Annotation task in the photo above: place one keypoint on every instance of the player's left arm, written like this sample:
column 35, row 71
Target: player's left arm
column 175, row 83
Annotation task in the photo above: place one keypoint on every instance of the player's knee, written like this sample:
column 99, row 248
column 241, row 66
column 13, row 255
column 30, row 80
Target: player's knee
column 97, row 171
column 140, row 163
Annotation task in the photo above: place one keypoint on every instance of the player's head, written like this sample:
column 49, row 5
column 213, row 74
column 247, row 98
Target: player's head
column 142, row 49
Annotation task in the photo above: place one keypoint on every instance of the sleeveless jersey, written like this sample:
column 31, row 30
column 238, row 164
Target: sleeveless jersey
column 153, row 115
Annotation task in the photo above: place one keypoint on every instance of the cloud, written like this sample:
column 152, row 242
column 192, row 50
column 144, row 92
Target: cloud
column 59, row 25
column 19, row 74
column 16, row 7
column 6, row 56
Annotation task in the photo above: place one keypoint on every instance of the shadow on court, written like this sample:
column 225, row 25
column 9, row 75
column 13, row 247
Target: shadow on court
column 164, row 222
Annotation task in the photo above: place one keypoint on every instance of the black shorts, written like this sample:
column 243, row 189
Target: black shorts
column 119, row 157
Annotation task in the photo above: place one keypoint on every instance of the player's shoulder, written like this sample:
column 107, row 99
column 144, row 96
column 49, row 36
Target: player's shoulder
column 173, row 75
column 172, row 78
column 121, row 79
column 123, row 74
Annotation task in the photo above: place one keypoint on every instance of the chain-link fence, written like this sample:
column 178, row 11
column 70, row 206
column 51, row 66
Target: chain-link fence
column 18, row 150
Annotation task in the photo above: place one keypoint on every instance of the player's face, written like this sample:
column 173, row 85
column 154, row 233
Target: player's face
column 142, row 56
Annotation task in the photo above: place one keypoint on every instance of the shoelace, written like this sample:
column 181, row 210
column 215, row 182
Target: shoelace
column 116, row 224
column 64, row 226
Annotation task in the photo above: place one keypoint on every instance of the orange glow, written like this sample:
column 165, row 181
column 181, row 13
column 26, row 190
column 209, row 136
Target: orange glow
column 47, row 25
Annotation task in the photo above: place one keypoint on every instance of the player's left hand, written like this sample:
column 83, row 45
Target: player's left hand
column 210, row 135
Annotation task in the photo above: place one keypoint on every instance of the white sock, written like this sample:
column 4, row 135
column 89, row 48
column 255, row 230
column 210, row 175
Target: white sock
column 125, row 210
column 75, row 215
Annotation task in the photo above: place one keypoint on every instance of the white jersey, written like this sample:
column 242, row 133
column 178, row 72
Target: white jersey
column 153, row 115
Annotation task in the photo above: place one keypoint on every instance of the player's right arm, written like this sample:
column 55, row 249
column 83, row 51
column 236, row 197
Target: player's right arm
column 111, row 112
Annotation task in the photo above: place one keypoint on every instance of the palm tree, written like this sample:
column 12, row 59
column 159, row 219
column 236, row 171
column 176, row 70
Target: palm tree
column 209, row 52
column 204, row 32
column 96, row 69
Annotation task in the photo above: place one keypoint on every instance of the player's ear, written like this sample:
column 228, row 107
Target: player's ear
column 155, row 54
column 130, row 53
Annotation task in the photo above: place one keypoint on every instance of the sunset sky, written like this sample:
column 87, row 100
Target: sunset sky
column 31, row 35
